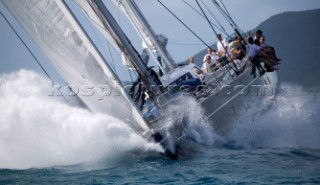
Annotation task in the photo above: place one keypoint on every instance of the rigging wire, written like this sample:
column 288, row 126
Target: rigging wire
column 223, row 13
column 206, row 18
column 220, row 29
column 234, row 69
column 187, row 44
column 130, row 75
column 120, row 23
column 229, row 20
column 122, row 48
column 113, row 67
column 129, row 71
column 215, row 18
column 112, row 60
column 33, row 56
column 229, row 15
column 183, row 23
column 227, row 12
column 223, row 10
column 109, row 48
column 236, row 26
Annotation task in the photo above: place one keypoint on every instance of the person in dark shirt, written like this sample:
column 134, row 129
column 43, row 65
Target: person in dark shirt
column 270, row 50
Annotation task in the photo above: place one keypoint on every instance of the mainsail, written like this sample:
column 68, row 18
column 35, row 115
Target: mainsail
column 57, row 33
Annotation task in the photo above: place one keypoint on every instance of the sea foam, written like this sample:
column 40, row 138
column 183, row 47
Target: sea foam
column 289, row 119
column 37, row 130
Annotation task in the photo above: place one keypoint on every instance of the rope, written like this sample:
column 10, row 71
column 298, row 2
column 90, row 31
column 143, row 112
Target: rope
column 226, row 11
column 229, row 15
column 186, row 44
column 112, row 60
column 229, row 19
column 220, row 29
column 109, row 48
column 222, row 13
column 204, row 14
column 183, row 23
column 235, row 70
column 33, row 56
column 214, row 17
column 130, row 75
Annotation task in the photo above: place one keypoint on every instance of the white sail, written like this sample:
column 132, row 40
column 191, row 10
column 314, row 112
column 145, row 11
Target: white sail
column 96, row 21
column 54, row 29
column 149, row 37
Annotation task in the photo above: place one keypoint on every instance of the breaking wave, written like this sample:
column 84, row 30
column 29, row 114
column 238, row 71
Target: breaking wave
column 186, row 129
column 37, row 130
column 287, row 120
column 290, row 121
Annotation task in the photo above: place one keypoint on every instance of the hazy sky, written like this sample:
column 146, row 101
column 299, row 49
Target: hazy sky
column 182, row 44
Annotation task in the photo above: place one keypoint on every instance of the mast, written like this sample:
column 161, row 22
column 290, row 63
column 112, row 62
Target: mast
column 136, row 17
column 128, row 50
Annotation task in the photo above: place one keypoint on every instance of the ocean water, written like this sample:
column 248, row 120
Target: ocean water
column 43, row 140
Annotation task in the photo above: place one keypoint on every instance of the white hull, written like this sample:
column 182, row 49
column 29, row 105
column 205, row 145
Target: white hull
column 223, row 107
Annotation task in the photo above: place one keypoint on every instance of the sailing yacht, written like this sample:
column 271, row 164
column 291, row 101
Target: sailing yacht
column 226, row 88
column 57, row 33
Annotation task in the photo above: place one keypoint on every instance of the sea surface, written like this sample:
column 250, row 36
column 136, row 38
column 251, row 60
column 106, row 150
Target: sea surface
column 44, row 140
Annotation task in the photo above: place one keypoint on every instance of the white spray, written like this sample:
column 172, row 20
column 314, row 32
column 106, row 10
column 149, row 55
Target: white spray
column 187, row 128
column 37, row 130
column 291, row 121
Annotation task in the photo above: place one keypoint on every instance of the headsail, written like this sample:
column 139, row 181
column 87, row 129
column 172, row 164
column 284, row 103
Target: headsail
column 56, row 32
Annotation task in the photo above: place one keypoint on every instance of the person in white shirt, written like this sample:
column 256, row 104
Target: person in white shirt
column 200, row 75
column 206, row 65
column 222, row 46
column 213, row 57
